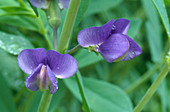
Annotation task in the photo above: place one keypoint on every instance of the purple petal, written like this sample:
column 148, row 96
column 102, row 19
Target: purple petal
column 114, row 47
column 134, row 50
column 40, row 3
column 29, row 59
column 94, row 35
column 32, row 81
column 63, row 65
column 121, row 26
column 63, row 3
column 53, row 87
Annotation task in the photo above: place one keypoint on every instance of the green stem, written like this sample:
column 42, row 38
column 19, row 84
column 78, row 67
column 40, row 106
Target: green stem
column 145, row 77
column 45, row 101
column 68, row 25
column 152, row 89
column 73, row 49
column 81, row 89
column 55, row 37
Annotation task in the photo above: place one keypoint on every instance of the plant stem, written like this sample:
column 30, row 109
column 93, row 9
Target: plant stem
column 68, row 25
column 152, row 89
column 145, row 77
column 45, row 101
column 81, row 89
column 55, row 37
column 73, row 49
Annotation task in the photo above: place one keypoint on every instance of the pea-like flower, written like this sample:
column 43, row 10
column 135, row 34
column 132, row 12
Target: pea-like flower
column 44, row 4
column 44, row 67
column 110, row 40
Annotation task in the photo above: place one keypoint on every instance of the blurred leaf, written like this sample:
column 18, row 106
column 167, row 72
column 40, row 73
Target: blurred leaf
column 8, row 3
column 10, row 70
column 153, row 31
column 97, row 6
column 35, row 102
column 82, row 9
column 15, row 10
column 6, row 99
column 86, row 58
column 13, row 44
column 159, row 4
column 102, row 96
column 154, row 43
column 135, row 25
column 21, row 21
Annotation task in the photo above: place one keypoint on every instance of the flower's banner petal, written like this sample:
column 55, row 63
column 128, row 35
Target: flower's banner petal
column 32, row 81
column 40, row 3
column 63, row 65
column 29, row 59
column 63, row 3
column 114, row 47
column 134, row 50
column 121, row 26
column 94, row 35
column 53, row 88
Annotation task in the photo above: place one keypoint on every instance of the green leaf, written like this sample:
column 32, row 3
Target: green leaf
column 10, row 70
column 20, row 21
column 8, row 3
column 159, row 4
column 135, row 25
column 101, row 96
column 6, row 99
column 86, row 58
column 13, row 44
column 97, row 6
column 15, row 10
column 153, row 30
column 154, row 42
column 82, row 9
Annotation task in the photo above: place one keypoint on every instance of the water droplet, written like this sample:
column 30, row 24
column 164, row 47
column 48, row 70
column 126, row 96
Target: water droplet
column 48, row 17
column 58, row 68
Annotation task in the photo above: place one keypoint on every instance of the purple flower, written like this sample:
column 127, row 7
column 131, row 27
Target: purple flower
column 110, row 40
column 45, row 3
column 43, row 68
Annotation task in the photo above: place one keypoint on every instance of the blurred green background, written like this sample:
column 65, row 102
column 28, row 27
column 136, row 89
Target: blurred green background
column 20, row 29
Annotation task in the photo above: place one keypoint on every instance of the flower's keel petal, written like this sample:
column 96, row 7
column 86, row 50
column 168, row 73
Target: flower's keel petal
column 94, row 35
column 121, row 26
column 134, row 50
column 114, row 47
column 52, row 87
column 32, row 81
column 40, row 3
column 29, row 59
column 63, row 65
column 63, row 3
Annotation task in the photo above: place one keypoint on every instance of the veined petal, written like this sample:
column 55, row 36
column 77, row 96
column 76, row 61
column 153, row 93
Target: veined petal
column 29, row 59
column 121, row 26
column 53, row 87
column 40, row 3
column 32, row 81
column 63, row 65
column 94, row 35
column 63, row 3
column 134, row 50
column 114, row 47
